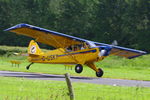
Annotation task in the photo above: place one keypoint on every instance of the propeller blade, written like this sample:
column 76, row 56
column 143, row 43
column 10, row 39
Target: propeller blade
column 114, row 43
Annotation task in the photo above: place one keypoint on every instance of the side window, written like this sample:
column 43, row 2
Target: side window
column 78, row 47
column 69, row 49
column 83, row 46
column 90, row 44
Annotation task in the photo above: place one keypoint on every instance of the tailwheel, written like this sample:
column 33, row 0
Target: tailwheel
column 29, row 66
column 79, row 68
column 99, row 73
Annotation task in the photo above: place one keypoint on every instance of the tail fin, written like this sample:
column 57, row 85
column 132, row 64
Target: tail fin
column 34, row 49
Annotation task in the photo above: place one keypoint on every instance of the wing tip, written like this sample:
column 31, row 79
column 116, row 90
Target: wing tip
column 17, row 26
column 144, row 53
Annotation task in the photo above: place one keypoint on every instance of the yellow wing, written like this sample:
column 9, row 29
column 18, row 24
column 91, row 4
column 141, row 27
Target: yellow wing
column 60, row 40
column 122, row 51
column 45, row 36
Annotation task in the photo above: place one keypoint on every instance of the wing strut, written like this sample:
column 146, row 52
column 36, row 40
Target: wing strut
column 64, row 49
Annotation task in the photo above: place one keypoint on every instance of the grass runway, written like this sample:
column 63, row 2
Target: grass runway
column 114, row 67
column 26, row 89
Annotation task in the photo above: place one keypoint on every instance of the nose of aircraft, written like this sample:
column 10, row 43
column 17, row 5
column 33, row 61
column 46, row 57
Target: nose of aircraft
column 104, row 50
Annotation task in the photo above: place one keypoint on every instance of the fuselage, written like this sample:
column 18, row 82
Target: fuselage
column 61, row 56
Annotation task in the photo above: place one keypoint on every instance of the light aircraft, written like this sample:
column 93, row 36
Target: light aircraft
column 69, row 49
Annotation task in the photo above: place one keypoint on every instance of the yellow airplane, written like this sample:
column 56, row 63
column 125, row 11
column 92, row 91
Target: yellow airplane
column 69, row 49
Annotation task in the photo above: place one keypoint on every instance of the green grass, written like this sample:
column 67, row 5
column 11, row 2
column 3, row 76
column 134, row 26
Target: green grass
column 26, row 89
column 114, row 67
column 120, row 68
column 9, row 50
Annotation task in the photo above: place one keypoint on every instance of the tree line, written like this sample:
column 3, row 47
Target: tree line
column 127, row 21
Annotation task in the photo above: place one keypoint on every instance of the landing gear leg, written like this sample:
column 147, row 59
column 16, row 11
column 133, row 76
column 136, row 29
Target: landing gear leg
column 78, row 68
column 29, row 66
column 99, row 72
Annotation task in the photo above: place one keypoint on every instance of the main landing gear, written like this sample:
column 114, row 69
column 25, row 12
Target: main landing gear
column 29, row 66
column 99, row 73
column 78, row 68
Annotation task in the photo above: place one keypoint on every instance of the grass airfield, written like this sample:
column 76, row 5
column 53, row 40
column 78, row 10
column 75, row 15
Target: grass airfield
column 114, row 67
column 26, row 89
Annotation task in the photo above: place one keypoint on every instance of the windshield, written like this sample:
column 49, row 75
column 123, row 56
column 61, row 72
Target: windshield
column 91, row 44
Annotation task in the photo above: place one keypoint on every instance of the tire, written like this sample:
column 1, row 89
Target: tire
column 99, row 73
column 78, row 68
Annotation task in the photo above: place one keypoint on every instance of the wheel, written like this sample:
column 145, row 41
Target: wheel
column 99, row 73
column 27, row 67
column 78, row 68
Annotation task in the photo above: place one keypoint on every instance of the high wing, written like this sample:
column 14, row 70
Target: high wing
column 122, row 51
column 52, row 38
column 60, row 40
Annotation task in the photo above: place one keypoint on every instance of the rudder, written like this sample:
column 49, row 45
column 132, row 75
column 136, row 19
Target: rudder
column 34, row 49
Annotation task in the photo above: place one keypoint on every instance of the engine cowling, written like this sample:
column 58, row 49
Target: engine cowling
column 104, row 50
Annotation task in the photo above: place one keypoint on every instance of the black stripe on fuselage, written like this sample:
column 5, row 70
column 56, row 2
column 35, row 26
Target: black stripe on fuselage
column 77, row 53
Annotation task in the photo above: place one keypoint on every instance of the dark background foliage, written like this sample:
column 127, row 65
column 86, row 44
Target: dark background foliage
column 127, row 21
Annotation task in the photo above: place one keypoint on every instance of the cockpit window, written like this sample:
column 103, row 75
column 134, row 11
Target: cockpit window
column 85, row 45
column 91, row 44
column 74, row 48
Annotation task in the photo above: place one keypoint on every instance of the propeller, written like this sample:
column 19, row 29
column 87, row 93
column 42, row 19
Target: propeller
column 105, row 50
column 114, row 43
